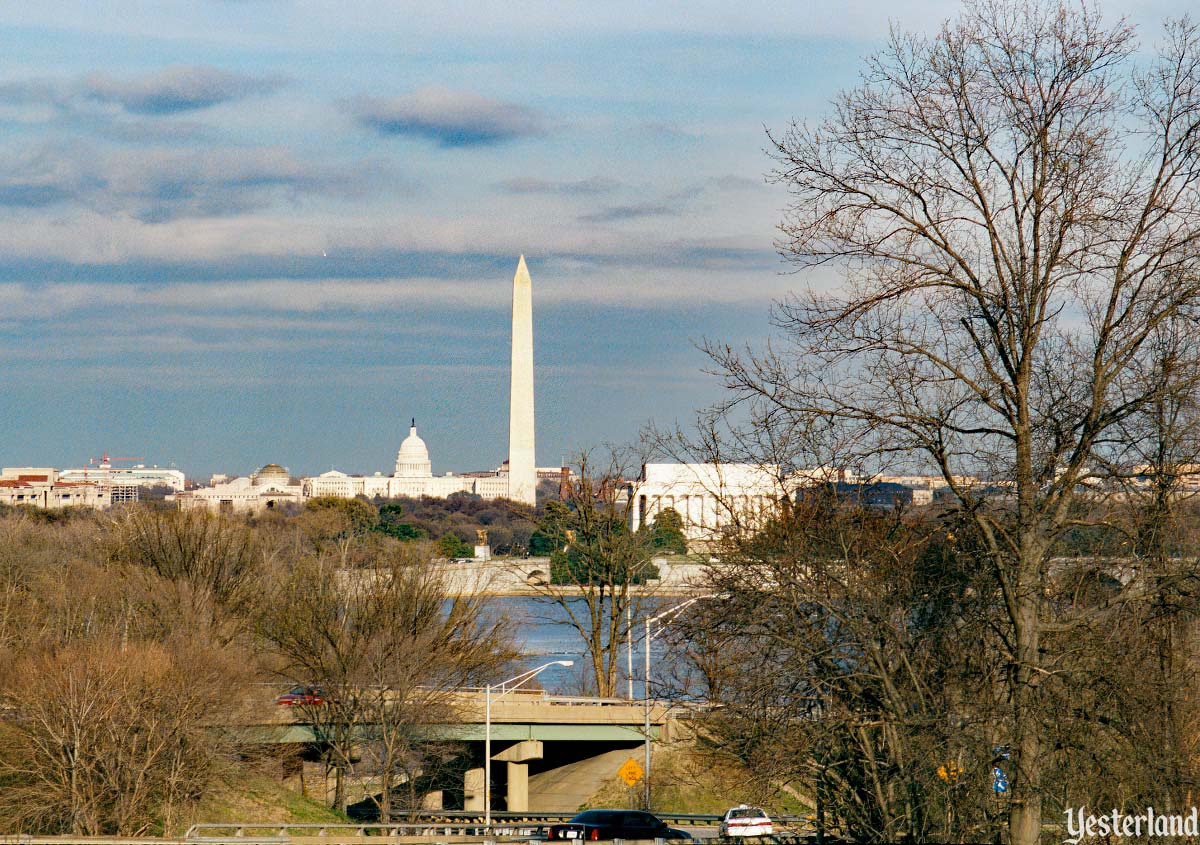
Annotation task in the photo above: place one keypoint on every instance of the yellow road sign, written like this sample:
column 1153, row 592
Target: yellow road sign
column 949, row 772
column 630, row 772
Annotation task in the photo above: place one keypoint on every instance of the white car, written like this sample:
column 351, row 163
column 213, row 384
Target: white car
column 745, row 820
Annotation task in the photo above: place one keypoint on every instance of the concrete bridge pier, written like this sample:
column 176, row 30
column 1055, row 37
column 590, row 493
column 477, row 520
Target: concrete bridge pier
column 473, row 790
column 517, row 757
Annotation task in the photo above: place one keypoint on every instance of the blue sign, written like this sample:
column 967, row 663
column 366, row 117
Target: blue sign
column 999, row 781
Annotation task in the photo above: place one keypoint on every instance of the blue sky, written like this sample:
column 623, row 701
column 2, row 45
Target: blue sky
column 241, row 231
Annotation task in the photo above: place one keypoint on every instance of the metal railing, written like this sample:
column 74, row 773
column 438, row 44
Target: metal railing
column 68, row 839
column 450, row 823
column 250, row 832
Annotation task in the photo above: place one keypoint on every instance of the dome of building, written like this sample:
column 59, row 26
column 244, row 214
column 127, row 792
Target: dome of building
column 412, row 461
column 271, row 474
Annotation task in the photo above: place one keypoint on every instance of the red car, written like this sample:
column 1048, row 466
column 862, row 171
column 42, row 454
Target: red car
column 302, row 695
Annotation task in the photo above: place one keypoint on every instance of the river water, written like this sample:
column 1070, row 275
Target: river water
column 543, row 635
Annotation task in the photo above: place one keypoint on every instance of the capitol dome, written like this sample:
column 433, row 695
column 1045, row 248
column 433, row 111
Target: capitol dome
column 412, row 461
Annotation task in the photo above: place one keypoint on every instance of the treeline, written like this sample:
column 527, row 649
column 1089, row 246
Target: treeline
column 509, row 525
column 857, row 655
column 133, row 643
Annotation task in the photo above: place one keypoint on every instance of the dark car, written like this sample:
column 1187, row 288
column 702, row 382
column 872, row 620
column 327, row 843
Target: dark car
column 615, row 824
column 302, row 695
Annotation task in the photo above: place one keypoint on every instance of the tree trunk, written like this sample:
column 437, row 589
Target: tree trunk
column 339, row 787
column 1025, row 809
column 385, row 784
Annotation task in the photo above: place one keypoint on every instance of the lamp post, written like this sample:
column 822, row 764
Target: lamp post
column 505, row 687
column 650, row 620
column 629, row 646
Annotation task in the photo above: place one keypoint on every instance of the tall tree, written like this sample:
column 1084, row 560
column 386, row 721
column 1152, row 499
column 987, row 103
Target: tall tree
column 830, row 648
column 1013, row 207
column 599, row 568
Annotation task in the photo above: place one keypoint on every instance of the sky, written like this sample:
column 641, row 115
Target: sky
column 235, row 232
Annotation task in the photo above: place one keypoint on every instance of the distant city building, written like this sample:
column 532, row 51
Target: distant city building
column 926, row 487
column 882, row 494
column 709, row 497
column 124, row 484
column 43, row 487
column 270, row 487
column 1182, row 478
column 413, row 477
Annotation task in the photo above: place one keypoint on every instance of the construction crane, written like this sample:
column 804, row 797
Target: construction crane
column 106, row 481
column 104, row 459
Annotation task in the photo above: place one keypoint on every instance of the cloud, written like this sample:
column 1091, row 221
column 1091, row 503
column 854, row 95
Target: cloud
column 733, row 182
column 102, row 246
column 160, row 184
column 172, row 90
column 694, row 272
column 450, row 118
column 580, row 187
column 21, row 193
column 669, row 130
column 26, row 92
column 179, row 88
column 620, row 213
column 42, row 177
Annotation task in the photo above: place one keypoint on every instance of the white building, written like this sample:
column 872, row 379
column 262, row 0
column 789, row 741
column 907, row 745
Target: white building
column 268, row 488
column 43, row 487
column 124, row 484
column 413, row 477
column 709, row 497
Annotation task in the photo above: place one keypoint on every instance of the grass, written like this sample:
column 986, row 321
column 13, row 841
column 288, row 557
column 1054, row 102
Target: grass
column 256, row 797
column 687, row 781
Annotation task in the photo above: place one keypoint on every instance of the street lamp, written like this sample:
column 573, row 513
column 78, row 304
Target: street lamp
column 505, row 688
column 666, row 614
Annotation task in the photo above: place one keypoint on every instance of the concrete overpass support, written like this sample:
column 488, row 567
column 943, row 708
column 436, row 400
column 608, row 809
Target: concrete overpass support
column 473, row 790
column 518, row 788
column 517, row 757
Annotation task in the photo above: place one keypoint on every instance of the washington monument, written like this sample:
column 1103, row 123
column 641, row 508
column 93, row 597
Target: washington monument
column 522, row 468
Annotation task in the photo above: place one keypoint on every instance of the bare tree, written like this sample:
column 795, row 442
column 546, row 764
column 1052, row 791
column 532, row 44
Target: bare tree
column 599, row 568
column 1154, row 458
column 110, row 739
column 212, row 552
column 385, row 645
column 113, row 679
column 1013, row 208
column 832, row 651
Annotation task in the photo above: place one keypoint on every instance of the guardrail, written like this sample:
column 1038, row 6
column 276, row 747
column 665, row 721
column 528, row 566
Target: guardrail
column 451, row 823
column 469, row 817
column 522, row 695
column 68, row 839
column 437, row 831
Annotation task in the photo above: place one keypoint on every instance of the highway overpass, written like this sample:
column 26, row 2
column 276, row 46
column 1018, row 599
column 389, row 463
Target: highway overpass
column 549, row 752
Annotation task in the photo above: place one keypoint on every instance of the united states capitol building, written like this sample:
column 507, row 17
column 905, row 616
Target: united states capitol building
column 413, row 477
